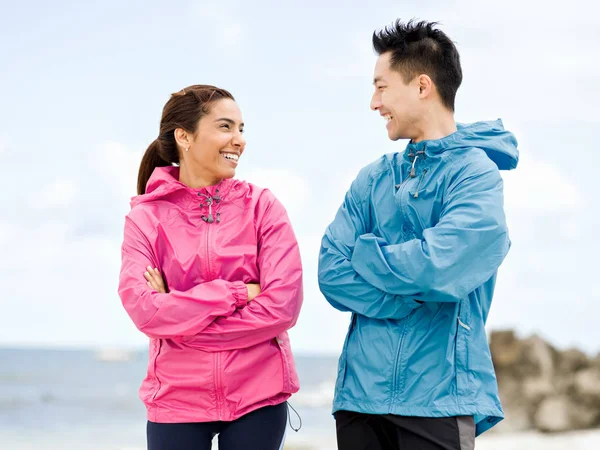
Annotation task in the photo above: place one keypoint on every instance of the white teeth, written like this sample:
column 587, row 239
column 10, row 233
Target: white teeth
column 231, row 156
column 387, row 117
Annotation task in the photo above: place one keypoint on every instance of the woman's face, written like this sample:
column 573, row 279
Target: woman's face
column 214, row 150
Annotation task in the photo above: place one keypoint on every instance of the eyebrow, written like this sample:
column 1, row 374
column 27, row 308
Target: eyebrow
column 225, row 119
column 377, row 80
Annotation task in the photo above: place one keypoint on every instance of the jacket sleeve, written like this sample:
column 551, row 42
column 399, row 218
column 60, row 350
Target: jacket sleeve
column 277, row 307
column 461, row 252
column 176, row 313
column 342, row 286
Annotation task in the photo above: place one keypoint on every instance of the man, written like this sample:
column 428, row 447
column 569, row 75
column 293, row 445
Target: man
column 413, row 254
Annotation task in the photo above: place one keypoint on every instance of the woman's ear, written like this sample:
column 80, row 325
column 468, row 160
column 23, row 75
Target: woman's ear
column 182, row 138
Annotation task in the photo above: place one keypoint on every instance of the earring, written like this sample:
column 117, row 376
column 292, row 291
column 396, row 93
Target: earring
column 187, row 148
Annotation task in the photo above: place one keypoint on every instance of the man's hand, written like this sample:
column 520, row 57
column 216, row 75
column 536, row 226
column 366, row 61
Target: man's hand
column 253, row 291
column 155, row 280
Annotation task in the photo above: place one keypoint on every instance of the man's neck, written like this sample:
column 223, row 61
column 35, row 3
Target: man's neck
column 436, row 125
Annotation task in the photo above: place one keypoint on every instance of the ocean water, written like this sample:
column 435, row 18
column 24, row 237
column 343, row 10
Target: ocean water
column 85, row 400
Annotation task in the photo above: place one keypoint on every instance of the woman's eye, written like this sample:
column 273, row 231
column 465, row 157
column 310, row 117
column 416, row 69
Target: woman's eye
column 225, row 126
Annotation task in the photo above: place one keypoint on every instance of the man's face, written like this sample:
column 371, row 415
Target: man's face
column 396, row 101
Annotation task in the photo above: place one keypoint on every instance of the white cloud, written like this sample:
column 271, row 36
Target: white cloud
column 220, row 17
column 232, row 34
column 529, row 59
column 316, row 313
column 119, row 165
column 7, row 232
column 539, row 187
column 571, row 229
column 291, row 190
column 58, row 194
column 64, row 288
column 361, row 64
column 38, row 246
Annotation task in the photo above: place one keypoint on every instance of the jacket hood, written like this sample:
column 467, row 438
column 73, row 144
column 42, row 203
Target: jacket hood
column 164, row 182
column 490, row 136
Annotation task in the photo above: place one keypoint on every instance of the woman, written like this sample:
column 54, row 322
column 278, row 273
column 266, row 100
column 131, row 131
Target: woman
column 211, row 273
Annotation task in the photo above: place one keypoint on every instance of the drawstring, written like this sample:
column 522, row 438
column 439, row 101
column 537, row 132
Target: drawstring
column 412, row 170
column 290, row 419
column 412, row 155
column 413, row 173
column 209, row 202
column 419, row 185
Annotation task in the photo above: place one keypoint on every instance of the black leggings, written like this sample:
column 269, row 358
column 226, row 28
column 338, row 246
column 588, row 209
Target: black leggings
column 262, row 429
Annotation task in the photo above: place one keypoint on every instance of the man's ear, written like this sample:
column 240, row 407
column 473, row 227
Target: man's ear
column 425, row 86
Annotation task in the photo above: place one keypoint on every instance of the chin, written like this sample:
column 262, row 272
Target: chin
column 394, row 136
column 227, row 174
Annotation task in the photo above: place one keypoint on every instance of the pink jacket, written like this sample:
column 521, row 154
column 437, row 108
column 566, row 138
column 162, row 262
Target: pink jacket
column 212, row 356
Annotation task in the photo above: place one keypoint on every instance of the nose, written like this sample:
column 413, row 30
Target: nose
column 238, row 140
column 375, row 102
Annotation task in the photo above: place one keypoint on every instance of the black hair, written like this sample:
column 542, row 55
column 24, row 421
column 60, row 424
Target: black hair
column 419, row 48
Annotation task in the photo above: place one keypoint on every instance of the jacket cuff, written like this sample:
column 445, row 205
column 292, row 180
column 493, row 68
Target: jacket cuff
column 240, row 294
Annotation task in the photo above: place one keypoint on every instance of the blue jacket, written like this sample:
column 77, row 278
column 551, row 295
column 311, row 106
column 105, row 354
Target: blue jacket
column 413, row 253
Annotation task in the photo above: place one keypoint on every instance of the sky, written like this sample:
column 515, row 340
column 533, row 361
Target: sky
column 82, row 86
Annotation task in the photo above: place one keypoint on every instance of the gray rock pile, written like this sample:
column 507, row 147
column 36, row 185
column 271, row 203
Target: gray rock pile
column 543, row 388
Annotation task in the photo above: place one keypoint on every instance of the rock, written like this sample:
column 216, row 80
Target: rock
column 571, row 361
column 505, row 348
column 543, row 388
column 559, row 413
column 537, row 358
column 534, row 390
column 553, row 415
column 586, row 385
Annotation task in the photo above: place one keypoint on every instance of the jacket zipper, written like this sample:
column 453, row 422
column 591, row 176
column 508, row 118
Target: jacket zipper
column 395, row 387
column 208, row 227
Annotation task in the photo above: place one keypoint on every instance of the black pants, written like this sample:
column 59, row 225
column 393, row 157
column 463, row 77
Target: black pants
column 263, row 429
column 356, row 431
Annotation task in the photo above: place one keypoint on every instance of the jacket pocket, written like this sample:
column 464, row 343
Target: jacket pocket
column 291, row 384
column 339, row 384
column 462, row 339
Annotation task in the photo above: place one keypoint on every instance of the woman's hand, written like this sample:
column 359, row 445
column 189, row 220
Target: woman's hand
column 155, row 280
column 253, row 290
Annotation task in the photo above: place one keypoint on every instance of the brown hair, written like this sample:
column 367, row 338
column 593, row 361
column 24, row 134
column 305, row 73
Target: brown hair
column 183, row 110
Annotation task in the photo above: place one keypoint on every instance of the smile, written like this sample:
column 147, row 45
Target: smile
column 231, row 156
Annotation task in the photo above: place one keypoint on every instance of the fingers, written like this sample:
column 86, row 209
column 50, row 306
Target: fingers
column 253, row 290
column 154, row 279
